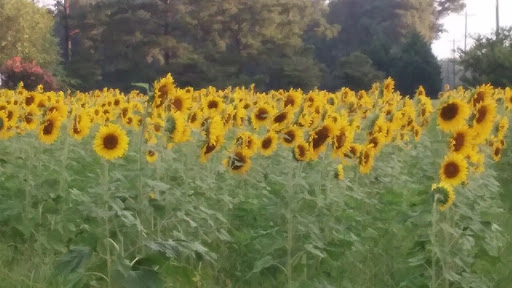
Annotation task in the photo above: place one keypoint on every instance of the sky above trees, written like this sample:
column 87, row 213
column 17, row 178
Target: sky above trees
column 481, row 20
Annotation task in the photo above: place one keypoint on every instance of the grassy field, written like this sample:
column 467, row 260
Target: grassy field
column 209, row 189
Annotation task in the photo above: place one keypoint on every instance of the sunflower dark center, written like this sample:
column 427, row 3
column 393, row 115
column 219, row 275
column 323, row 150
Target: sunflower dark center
column 157, row 128
column 374, row 141
column 341, row 138
column 366, row 157
column 451, row 170
column 28, row 119
column 266, row 143
column 449, row 111
column 29, row 100
column 110, row 141
column 178, row 104
column 237, row 161
column 76, row 130
column 301, row 151
column 151, row 153
column 481, row 113
column 213, row 104
column 321, row 136
column 458, row 141
column 9, row 115
column 1, row 123
column 290, row 137
column 497, row 151
column 209, row 148
column 193, row 118
column 281, row 117
column 289, row 101
column 261, row 114
column 48, row 127
column 480, row 96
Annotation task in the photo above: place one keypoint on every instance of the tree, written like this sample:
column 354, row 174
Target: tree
column 415, row 64
column 355, row 71
column 26, row 31
column 489, row 60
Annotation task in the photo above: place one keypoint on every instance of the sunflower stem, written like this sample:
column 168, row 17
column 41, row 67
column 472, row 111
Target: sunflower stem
column 434, row 242
column 107, row 223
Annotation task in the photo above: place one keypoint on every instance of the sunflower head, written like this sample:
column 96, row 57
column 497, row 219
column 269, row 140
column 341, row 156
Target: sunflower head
column 111, row 141
column 454, row 169
column 238, row 162
column 452, row 115
column 445, row 194
column 268, row 143
column 302, row 151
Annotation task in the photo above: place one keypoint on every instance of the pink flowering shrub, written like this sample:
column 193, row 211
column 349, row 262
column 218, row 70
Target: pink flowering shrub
column 16, row 70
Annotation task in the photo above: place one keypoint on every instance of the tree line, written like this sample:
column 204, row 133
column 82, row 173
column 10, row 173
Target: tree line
column 275, row 44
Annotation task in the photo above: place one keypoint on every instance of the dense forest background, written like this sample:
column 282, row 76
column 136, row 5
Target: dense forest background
column 275, row 44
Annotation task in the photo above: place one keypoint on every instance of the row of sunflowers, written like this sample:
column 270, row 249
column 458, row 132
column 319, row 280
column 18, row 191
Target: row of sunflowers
column 348, row 126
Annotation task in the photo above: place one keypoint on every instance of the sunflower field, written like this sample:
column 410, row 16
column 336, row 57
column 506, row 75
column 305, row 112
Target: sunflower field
column 179, row 187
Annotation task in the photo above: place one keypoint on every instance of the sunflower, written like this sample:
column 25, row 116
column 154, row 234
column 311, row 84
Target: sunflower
column 212, row 105
column 496, row 150
column 81, row 126
column 29, row 121
column 282, row 120
column 302, row 151
column 261, row 115
column 3, row 126
column 216, row 130
column 343, row 139
column 268, row 143
column 324, row 134
column 339, row 172
column 485, row 115
column 502, row 127
column 454, row 169
column 377, row 141
column 482, row 94
column 462, row 141
column 49, row 129
column 111, row 141
column 508, row 98
column 239, row 162
column 417, row 132
column 163, row 89
column 452, row 115
column 30, row 99
column 354, row 151
column 291, row 135
column 247, row 142
column 447, row 194
column 195, row 118
column 207, row 151
column 151, row 156
column 292, row 100
column 180, row 102
column 366, row 159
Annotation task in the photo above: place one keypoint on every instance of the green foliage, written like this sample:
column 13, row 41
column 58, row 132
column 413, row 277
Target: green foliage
column 489, row 60
column 355, row 71
column 413, row 64
column 26, row 31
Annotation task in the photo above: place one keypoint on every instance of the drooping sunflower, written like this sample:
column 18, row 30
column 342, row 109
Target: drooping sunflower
column 302, row 151
column 452, row 115
column 81, row 124
column 366, row 159
column 454, row 169
column 447, row 194
column 462, row 141
column 111, row 141
column 485, row 115
column 318, row 139
column 496, row 150
column 377, row 141
column 238, row 162
column 282, row 120
column 268, row 144
column 163, row 90
column 3, row 126
column 502, row 128
column 151, row 156
column 207, row 152
column 50, row 128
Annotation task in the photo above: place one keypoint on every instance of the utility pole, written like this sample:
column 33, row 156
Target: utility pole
column 497, row 18
column 67, row 38
column 453, row 63
column 465, row 29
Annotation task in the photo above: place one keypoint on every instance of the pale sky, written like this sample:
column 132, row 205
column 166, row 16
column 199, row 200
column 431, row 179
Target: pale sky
column 481, row 19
